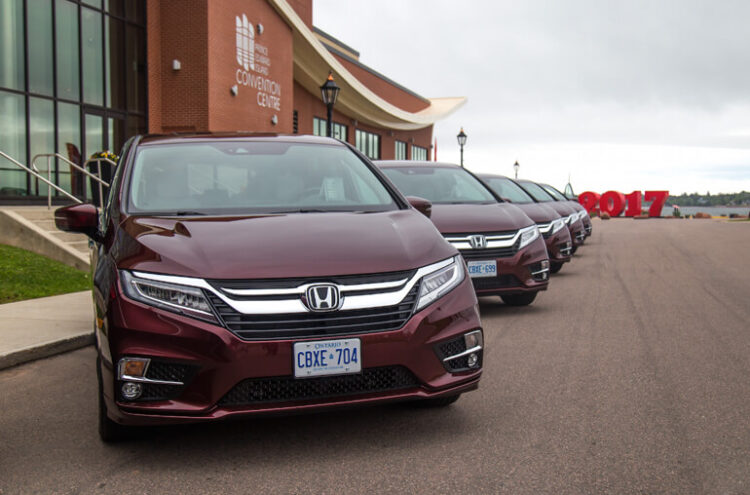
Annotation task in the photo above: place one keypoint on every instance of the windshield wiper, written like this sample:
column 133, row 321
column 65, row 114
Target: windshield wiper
column 301, row 210
column 188, row 213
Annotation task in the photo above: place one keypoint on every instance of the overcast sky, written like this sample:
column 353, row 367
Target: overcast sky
column 621, row 95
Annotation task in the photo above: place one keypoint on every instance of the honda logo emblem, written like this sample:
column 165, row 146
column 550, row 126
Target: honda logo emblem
column 323, row 297
column 478, row 241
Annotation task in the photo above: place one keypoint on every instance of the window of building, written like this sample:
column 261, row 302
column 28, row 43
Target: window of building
column 400, row 153
column 418, row 153
column 319, row 129
column 72, row 81
column 295, row 122
column 368, row 143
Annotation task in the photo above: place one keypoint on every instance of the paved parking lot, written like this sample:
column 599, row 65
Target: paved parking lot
column 630, row 375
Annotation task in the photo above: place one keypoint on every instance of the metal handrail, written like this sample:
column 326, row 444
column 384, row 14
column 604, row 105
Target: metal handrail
column 49, row 157
column 40, row 177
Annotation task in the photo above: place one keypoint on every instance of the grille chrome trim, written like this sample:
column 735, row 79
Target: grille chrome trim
column 299, row 290
column 494, row 239
column 285, row 305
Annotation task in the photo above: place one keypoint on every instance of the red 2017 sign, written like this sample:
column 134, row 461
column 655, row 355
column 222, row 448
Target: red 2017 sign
column 614, row 202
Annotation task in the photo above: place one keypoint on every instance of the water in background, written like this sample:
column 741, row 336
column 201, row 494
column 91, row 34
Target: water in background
column 711, row 210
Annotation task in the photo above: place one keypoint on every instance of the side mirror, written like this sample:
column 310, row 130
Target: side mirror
column 80, row 219
column 421, row 205
column 506, row 200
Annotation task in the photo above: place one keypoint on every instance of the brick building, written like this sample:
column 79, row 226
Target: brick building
column 78, row 76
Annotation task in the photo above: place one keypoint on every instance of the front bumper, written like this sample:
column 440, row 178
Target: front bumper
column 587, row 225
column 577, row 232
column 559, row 246
column 515, row 274
column 222, row 365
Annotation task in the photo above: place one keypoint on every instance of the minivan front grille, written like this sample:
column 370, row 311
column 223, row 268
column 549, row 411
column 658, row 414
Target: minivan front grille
column 488, row 254
column 310, row 324
column 287, row 388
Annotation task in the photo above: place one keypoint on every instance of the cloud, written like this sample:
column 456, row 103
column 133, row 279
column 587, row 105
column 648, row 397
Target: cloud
column 587, row 74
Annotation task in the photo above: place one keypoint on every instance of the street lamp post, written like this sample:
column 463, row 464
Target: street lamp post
column 329, row 91
column 461, row 142
column 516, row 166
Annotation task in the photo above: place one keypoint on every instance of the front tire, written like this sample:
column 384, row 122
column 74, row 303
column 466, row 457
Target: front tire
column 109, row 431
column 555, row 266
column 519, row 299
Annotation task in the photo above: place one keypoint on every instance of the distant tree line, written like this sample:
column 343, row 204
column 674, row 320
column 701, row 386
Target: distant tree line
column 708, row 199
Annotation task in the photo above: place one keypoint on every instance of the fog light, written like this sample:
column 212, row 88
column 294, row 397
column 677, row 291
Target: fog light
column 131, row 391
column 132, row 366
column 473, row 339
column 473, row 360
column 545, row 264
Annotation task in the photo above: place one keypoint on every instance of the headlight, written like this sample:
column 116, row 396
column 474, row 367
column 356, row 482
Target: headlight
column 583, row 214
column 557, row 225
column 439, row 282
column 571, row 218
column 528, row 235
column 189, row 301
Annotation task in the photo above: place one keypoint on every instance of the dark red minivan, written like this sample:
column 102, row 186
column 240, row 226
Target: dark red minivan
column 240, row 274
column 550, row 223
column 503, row 247
column 571, row 214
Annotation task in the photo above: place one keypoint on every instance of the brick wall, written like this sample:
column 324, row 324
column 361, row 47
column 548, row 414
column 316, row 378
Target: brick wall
column 178, row 100
column 251, row 109
column 309, row 106
column 390, row 93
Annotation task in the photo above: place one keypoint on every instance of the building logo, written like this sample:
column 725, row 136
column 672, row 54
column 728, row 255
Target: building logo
column 245, row 43
column 478, row 241
column 323, row 297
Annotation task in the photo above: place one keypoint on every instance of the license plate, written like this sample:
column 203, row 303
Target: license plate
column 482, row 268
column 327, row 357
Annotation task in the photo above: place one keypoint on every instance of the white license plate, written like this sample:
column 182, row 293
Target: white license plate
column 482, row 268
column 327, row 357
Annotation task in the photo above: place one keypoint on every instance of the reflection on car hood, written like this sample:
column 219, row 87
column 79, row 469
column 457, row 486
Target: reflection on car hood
column 539, row 212
column 281, row 246
column 561, row 207
column 467, row 218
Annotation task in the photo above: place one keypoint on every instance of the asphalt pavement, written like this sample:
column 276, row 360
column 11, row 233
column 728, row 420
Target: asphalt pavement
column 631, row 374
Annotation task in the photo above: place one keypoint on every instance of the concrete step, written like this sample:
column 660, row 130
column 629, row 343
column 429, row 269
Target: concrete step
column 48, row 225
column 34, row 213
column 32, row 228
column 67, row 237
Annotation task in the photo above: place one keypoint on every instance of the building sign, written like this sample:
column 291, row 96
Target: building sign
column 255, row 63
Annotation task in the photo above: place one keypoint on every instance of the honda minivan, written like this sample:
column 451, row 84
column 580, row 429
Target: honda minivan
column 550, row 223
column 572, row 215
column 582, row 213
column 238, row 274
column 504, row 250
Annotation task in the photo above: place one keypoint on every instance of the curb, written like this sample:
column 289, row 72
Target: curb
column 46, row 349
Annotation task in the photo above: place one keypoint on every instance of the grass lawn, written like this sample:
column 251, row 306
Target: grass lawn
column 26, row 275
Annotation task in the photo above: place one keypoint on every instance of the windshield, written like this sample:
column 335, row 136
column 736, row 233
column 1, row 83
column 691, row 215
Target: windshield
column 554, row 192
column 536, row 192
column 237, row 177
column 439, row 184
column 507, row 189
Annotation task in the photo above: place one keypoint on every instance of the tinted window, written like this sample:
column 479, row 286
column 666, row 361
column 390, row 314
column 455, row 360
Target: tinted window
column 536, row 192
column 245, row 177
column 507, row 189
column 439, row 184
column 554, row 192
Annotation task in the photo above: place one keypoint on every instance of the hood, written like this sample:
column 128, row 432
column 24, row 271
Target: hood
column 576, row 205
column 280, row 246
column 468, row 218
column 539, row 212
column 561, row 207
